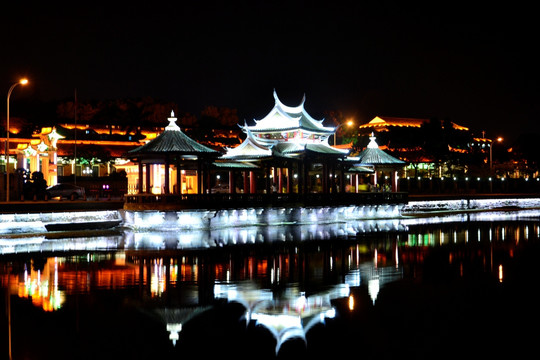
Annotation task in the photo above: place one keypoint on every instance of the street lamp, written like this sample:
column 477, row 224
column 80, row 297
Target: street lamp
column 22, row 82
column 348, row 123
column 499, row 139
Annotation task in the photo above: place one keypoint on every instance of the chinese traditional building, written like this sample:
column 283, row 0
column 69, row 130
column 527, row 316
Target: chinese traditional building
column 172, row 163
column 36, row 154
column 291, row 150
column 382, row 164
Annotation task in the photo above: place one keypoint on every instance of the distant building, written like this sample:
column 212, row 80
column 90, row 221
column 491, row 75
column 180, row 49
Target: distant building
column 386, row 123
column 422, row 142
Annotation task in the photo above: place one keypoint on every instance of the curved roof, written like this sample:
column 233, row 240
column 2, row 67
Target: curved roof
column 172, row 140
column 250, row 148
column 374, row 156
column 285, row 118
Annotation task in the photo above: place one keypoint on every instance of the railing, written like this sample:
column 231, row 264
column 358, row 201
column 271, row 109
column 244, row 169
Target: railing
column 213, row 201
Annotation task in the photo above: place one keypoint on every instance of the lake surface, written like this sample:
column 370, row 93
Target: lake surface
column 440, row 287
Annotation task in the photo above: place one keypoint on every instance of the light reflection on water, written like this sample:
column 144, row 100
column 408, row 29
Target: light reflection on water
column 288, row 279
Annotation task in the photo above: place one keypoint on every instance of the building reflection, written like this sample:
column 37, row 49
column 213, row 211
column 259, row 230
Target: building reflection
column 286, row 286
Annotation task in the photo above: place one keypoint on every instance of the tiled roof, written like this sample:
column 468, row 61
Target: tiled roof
column 377, row 157
column 235, row 165
column 250, row 148
column 172, row 140
column 326, row 149
column 372, row 155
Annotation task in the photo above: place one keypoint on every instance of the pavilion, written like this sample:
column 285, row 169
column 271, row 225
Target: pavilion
column 173, row 163
column 291, row 149
column 381, row 163
column 285, row 153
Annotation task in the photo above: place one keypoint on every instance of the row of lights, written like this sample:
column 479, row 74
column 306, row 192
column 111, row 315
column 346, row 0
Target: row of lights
column 467, row 178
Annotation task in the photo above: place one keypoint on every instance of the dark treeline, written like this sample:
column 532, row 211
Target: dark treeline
column 31, row 115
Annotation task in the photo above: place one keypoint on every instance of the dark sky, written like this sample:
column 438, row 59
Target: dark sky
column 476, row 66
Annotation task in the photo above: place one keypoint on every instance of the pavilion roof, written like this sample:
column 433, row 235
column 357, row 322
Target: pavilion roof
column 326, row 149
column 289, row 118
column 288, row 148
column 172, row 140
column 361, row 169
column 372, row 155
column 250, row 148
column 235, row 165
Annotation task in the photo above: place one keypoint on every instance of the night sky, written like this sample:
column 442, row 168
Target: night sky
column 476, row 66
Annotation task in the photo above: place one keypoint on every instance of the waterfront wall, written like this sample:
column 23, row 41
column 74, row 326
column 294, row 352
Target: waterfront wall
column 223, row 218
column 469, row 185
column 362, row 218
column 35, row 223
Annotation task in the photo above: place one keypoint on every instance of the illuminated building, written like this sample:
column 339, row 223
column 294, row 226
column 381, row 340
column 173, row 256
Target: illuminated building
column 384, row 124
column 285, row 152
column 382, row 163
column 172, row 163
column 292, row 149
column 419, row 141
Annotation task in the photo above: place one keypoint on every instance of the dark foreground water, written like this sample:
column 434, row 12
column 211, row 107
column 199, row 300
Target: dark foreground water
column 441, row 288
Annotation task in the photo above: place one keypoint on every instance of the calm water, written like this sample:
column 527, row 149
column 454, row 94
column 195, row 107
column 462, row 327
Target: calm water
column 435, row 287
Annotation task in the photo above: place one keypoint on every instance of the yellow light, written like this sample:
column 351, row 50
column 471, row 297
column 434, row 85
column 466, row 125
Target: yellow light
column 23, row 81
column 351, row 303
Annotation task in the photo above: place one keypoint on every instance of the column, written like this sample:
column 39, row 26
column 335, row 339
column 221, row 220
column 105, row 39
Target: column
column 245, row 177
column 253, row 182
column 140, row 179
column 147, row 185
column 280, row 179
column 178, row 178
column 167, row 175
column 289, row 179
column 232, row 186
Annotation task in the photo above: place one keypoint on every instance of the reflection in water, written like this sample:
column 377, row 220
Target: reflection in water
column 287, row 279
column 42, row 287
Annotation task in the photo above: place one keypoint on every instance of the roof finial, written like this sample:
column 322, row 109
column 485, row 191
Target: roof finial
column 372, row 144
column 172, row 123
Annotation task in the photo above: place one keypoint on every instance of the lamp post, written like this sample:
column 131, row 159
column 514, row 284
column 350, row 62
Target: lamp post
column 22, row 82
column 348, row 123
column 499, row 139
